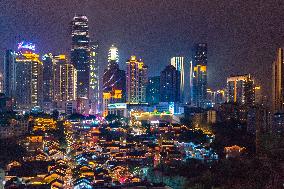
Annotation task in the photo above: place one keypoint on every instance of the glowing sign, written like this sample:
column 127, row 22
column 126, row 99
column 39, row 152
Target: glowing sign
column 26, row 45
column 117, row 106
column 155, row 122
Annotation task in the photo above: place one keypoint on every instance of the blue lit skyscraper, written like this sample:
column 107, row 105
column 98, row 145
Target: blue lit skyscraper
column 80, row 52
column 199, row 75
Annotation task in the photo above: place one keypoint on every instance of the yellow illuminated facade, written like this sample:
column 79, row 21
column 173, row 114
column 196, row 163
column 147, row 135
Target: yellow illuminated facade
column 199, row 81
column 136, row 80
column 29, row 78
column 198, row 76
column 216, row 97
column 64, row 79
column 234, row 151
column 44, row 124
column 35, row 139
column 110, row 97
column 240, row 89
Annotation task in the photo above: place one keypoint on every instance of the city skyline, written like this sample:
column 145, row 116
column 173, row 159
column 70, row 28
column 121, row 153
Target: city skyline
column 109, row 26
column 141, row 94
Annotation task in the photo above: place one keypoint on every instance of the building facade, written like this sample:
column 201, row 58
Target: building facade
column 170, row 84
column 114, row 78
column 94, row 77
column 64, row 79
column 47, row 60
column 80, row 53
column 111, row 97
column 153, row 90
column 136, row 80
column 9, row 73
column 29, row 77
column 278, row 82
column 240, row 90
column 199, row 75
column 178, row 63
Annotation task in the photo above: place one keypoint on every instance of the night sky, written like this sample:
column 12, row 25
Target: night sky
column 242, row 36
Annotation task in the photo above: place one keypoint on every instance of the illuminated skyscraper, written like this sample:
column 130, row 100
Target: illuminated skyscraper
column 113, row 54
column 80, row 52
column 114, row 78
column 153, row 90
column 10, row 73
column 136, row 80
column 178, row 63
column 170, row 84
column 29, row 77
column 278, row 82
column 64, row 79
column 94, row 77
column 240, row 89
column 199, row 75
column 47, row 60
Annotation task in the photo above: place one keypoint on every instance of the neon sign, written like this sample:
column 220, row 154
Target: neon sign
column 26, row 45
column 117, row 105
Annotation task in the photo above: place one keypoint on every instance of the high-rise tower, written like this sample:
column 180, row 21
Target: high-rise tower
column 278, row 82
column 80, row 53
column 114, row 78
column 136, row 80
column 94, row 77
column 47, row 60
column 199, row 75
column 240, row 90
column 29, row 77
column 64, row 79
column 114, row 81
column 10, row 73
column 170, row 84
column 178, row 63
